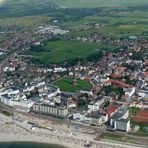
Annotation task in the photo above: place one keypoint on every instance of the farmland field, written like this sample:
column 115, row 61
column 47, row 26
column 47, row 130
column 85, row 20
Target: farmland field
column 65, row 84
column 27, row 21
column 116, row 19
column 19, row 8
column 114, row 31
column 115, row 25
column 59, row 51
column 98, row 3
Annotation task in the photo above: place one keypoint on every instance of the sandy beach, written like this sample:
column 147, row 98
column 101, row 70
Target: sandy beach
column 34, row 138
column 12, row 131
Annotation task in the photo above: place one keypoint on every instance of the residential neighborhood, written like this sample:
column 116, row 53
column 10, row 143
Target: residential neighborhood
column 76, row 75
column 117, row 79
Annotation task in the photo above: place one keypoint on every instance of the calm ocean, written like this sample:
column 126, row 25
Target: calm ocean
column 27, row 145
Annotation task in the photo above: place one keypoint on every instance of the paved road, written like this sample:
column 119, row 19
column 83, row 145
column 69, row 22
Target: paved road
column 4, row 62
column 115, row 144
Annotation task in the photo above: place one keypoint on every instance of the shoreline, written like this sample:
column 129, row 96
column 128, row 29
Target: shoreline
column 33, row 142
column 19, row 131
column 36, row 139
column 12, row 131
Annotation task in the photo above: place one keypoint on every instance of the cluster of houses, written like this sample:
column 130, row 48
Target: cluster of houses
column 116, row 71
column 52, row 29
column 23, row 97
column 112, row 70
column 40, row 98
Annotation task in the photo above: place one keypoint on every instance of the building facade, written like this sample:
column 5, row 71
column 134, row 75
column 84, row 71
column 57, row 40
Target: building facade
column 48, row 109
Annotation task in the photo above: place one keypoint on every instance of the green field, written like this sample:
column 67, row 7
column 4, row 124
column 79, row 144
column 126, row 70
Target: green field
column 115, row 26
column 19, row 8
column 13, row 8
column 28, row 21
column 59, row 51
column 115, row 31
column 65, row 84
column 98, row 3
column 112, row 136
column 133, row 111
column 115, row 137
column 118, row 20
column 36, row 12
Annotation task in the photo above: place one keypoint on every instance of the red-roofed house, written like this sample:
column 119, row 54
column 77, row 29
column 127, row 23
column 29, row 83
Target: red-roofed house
column 116, row 76
column 142, row 116
column 120, row 70
column 146, row 74
column 117, row 83
column 112, row 109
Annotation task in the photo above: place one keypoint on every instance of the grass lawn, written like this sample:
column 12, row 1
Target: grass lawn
column 59, row 51
column 143, row 131
column 112, row 136
column 133, row 111
column 65, row 84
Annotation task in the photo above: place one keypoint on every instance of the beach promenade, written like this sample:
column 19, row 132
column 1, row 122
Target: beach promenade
column 14, row 130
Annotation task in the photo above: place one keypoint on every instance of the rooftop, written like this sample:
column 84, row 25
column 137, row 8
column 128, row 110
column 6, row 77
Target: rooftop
column 112, row 109
column 120, row 113
column 142, row 116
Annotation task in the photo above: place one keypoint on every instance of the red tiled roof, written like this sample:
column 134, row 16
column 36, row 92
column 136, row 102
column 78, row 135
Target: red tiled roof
column 142, row 116
column 120, row 83
column 96, row 89
column 116, row 76
column 121, row 68
column 146, row 73
column 112, row 109
column 87, row 78
column 146, row 61
column 125, row 96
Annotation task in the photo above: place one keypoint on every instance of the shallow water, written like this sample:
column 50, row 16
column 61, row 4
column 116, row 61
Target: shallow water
column 28, row 145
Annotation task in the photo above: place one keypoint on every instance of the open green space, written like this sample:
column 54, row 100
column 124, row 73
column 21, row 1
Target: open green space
column 116, row 137
column 66, row 85
column 114, row 31
column 114, row 25
column 121, row 19
column 133, row 111
column 143, row 128
column 13, row 8
column 28, row 21
column 98, row 3
column 19, row 8
column 62, row 50
column 112, row 136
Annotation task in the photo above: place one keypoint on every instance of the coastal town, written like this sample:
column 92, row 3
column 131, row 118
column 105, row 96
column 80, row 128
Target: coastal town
column 78, row 80
column 113, row 99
